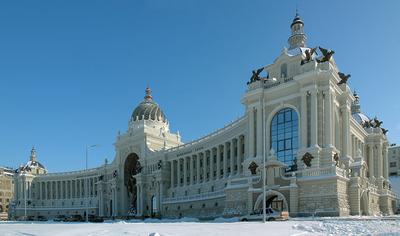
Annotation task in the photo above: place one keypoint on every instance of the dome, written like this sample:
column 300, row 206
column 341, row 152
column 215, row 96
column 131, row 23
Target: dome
column 360, row 118
column 148, row 109
column 32, row 163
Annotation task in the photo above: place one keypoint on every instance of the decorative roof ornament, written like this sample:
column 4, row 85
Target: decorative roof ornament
column 33, row 154
column 148, row 96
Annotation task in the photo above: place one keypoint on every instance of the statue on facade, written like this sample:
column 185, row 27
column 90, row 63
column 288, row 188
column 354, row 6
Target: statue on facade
column 384, row 131
column 309, row 53
column 366, row 124
column 377, row 123
column 336, row 159
column 343, row 78
column 256, row 75
column 307, row 158
column 253, row 168
column 159, row 164
column 327, row 54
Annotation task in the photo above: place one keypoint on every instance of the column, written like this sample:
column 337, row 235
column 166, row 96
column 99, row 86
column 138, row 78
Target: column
column 211, row 164
column 314, row 118
column 172, row 174
column 346, row 129
column 225, row 160
column 204, row 166
column 239, row 153
column 328, row 118
column 191, row 162
column 198, row 169
column 371, row 161
column 385, row 162
column 52, row 188
column 76, row 188
column 259, row 131
column 251, row 132
column 70, row 188
column 40, row 190
column 380, row 161
column 179, row 172
column 184, row 171
column 232, row 155
column 218, row 162
column 303, row 118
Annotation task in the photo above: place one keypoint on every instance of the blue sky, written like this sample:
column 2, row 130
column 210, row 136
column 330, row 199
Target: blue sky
column 71, row 72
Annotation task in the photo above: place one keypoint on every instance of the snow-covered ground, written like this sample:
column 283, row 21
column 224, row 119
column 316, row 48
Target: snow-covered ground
column 299, row 226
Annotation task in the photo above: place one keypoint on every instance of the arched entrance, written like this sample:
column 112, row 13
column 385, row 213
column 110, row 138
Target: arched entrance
column 154, row 208
column 364, row 203
column 274, row 200
column 131, row 168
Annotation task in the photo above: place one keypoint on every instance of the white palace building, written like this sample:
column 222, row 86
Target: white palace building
column 322, row 155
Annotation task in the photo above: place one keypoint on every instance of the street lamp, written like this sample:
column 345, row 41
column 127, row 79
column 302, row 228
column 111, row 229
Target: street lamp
column 264, row 151
column 87, row 184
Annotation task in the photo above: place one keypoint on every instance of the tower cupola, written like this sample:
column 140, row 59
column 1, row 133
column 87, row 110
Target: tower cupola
column 297, row 38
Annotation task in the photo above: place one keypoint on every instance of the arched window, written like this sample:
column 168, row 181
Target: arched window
column 285, row 136
column 154, row 207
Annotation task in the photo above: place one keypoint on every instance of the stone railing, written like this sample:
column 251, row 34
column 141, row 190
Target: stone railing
column 326, row 171
column 211, row 135
column 202, row 196
column 88, row 171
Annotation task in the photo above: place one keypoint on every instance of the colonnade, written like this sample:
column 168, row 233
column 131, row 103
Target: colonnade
column 64, row 189
column 215, row 163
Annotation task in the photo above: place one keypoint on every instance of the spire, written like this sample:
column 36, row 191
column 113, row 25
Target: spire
column 297, row 38
column 356, row 107
column 148, row 96
column 33, row 154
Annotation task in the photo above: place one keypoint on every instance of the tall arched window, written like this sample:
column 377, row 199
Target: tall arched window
column 285, row 136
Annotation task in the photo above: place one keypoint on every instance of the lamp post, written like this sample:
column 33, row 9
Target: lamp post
column 25, row 192
column 264, row 170
column 87, row 184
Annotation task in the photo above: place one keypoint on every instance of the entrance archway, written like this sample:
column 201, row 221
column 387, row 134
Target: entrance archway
column 364, row 203
column 131, row 168
column 273, row 199
column 154, row 208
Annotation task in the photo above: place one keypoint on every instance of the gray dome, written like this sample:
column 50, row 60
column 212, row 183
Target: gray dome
column 148, row 109
column 360, row 118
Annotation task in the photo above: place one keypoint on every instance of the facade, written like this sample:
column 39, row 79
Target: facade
column 6, row 190
column 323, row 156
column 394, row 160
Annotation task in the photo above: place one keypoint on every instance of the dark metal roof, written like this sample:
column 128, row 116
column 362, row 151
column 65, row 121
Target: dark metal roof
column 148, row 110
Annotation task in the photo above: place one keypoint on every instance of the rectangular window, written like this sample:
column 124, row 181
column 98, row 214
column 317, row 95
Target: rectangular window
column 393, row 164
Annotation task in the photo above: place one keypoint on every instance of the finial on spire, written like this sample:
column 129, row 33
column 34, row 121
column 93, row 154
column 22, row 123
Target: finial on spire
column 33, row 154
column 148, row 96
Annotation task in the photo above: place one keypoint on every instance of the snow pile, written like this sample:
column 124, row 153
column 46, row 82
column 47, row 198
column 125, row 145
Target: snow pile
column 226, row 220
column 184, row 219
column 155, row 234
column 300, row 226
column 351, row 227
